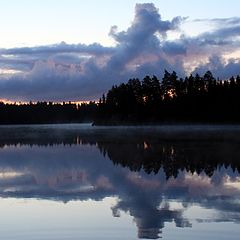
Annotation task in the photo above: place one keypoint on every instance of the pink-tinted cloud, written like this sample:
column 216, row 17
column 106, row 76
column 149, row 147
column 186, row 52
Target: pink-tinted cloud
column 83, row 72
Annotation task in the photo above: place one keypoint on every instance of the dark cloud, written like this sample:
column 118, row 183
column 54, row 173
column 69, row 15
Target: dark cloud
column 222, row 36
column 93, row 49
column 83, row 72
column 174, row 48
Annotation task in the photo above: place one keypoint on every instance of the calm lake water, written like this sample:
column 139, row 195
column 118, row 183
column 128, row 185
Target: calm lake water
column 82, row 182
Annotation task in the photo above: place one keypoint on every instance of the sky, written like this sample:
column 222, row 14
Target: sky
column 76, row 50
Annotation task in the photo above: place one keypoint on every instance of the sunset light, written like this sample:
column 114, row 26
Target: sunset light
column 120, row 120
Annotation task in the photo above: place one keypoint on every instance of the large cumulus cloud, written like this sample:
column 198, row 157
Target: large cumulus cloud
column 83, row 72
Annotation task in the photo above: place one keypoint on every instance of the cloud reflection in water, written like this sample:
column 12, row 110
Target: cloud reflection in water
column 146, row 173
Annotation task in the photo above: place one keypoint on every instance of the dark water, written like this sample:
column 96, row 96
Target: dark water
column 82, row 182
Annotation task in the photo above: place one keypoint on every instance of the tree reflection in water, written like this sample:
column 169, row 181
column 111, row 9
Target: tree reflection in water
column 148, row 170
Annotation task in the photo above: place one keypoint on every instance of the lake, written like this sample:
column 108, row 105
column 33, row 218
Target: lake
column 82, row 182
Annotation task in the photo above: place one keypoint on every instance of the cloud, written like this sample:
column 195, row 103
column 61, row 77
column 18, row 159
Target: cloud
column 63, row 72
column 220, row 22
column 219, row 67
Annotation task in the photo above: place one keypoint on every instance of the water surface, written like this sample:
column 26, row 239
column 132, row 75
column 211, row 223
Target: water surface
column 83, row 182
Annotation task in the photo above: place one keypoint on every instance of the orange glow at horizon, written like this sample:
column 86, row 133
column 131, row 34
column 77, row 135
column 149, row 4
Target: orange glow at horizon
column 6, row 101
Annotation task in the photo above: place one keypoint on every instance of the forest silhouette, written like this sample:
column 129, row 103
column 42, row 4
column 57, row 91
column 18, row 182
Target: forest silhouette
column 195, row 99
column 47, row 112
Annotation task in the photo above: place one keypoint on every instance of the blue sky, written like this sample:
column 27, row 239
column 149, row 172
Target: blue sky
column 76, row 50
column 34, row 22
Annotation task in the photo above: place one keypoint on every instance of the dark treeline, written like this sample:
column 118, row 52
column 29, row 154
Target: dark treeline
column 195, row 99
column 47, row 112
column 201, row 99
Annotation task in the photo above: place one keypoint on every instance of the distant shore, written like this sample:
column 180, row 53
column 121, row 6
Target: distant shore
column 169, row 123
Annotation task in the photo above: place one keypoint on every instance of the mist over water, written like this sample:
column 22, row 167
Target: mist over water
column 78, row 181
